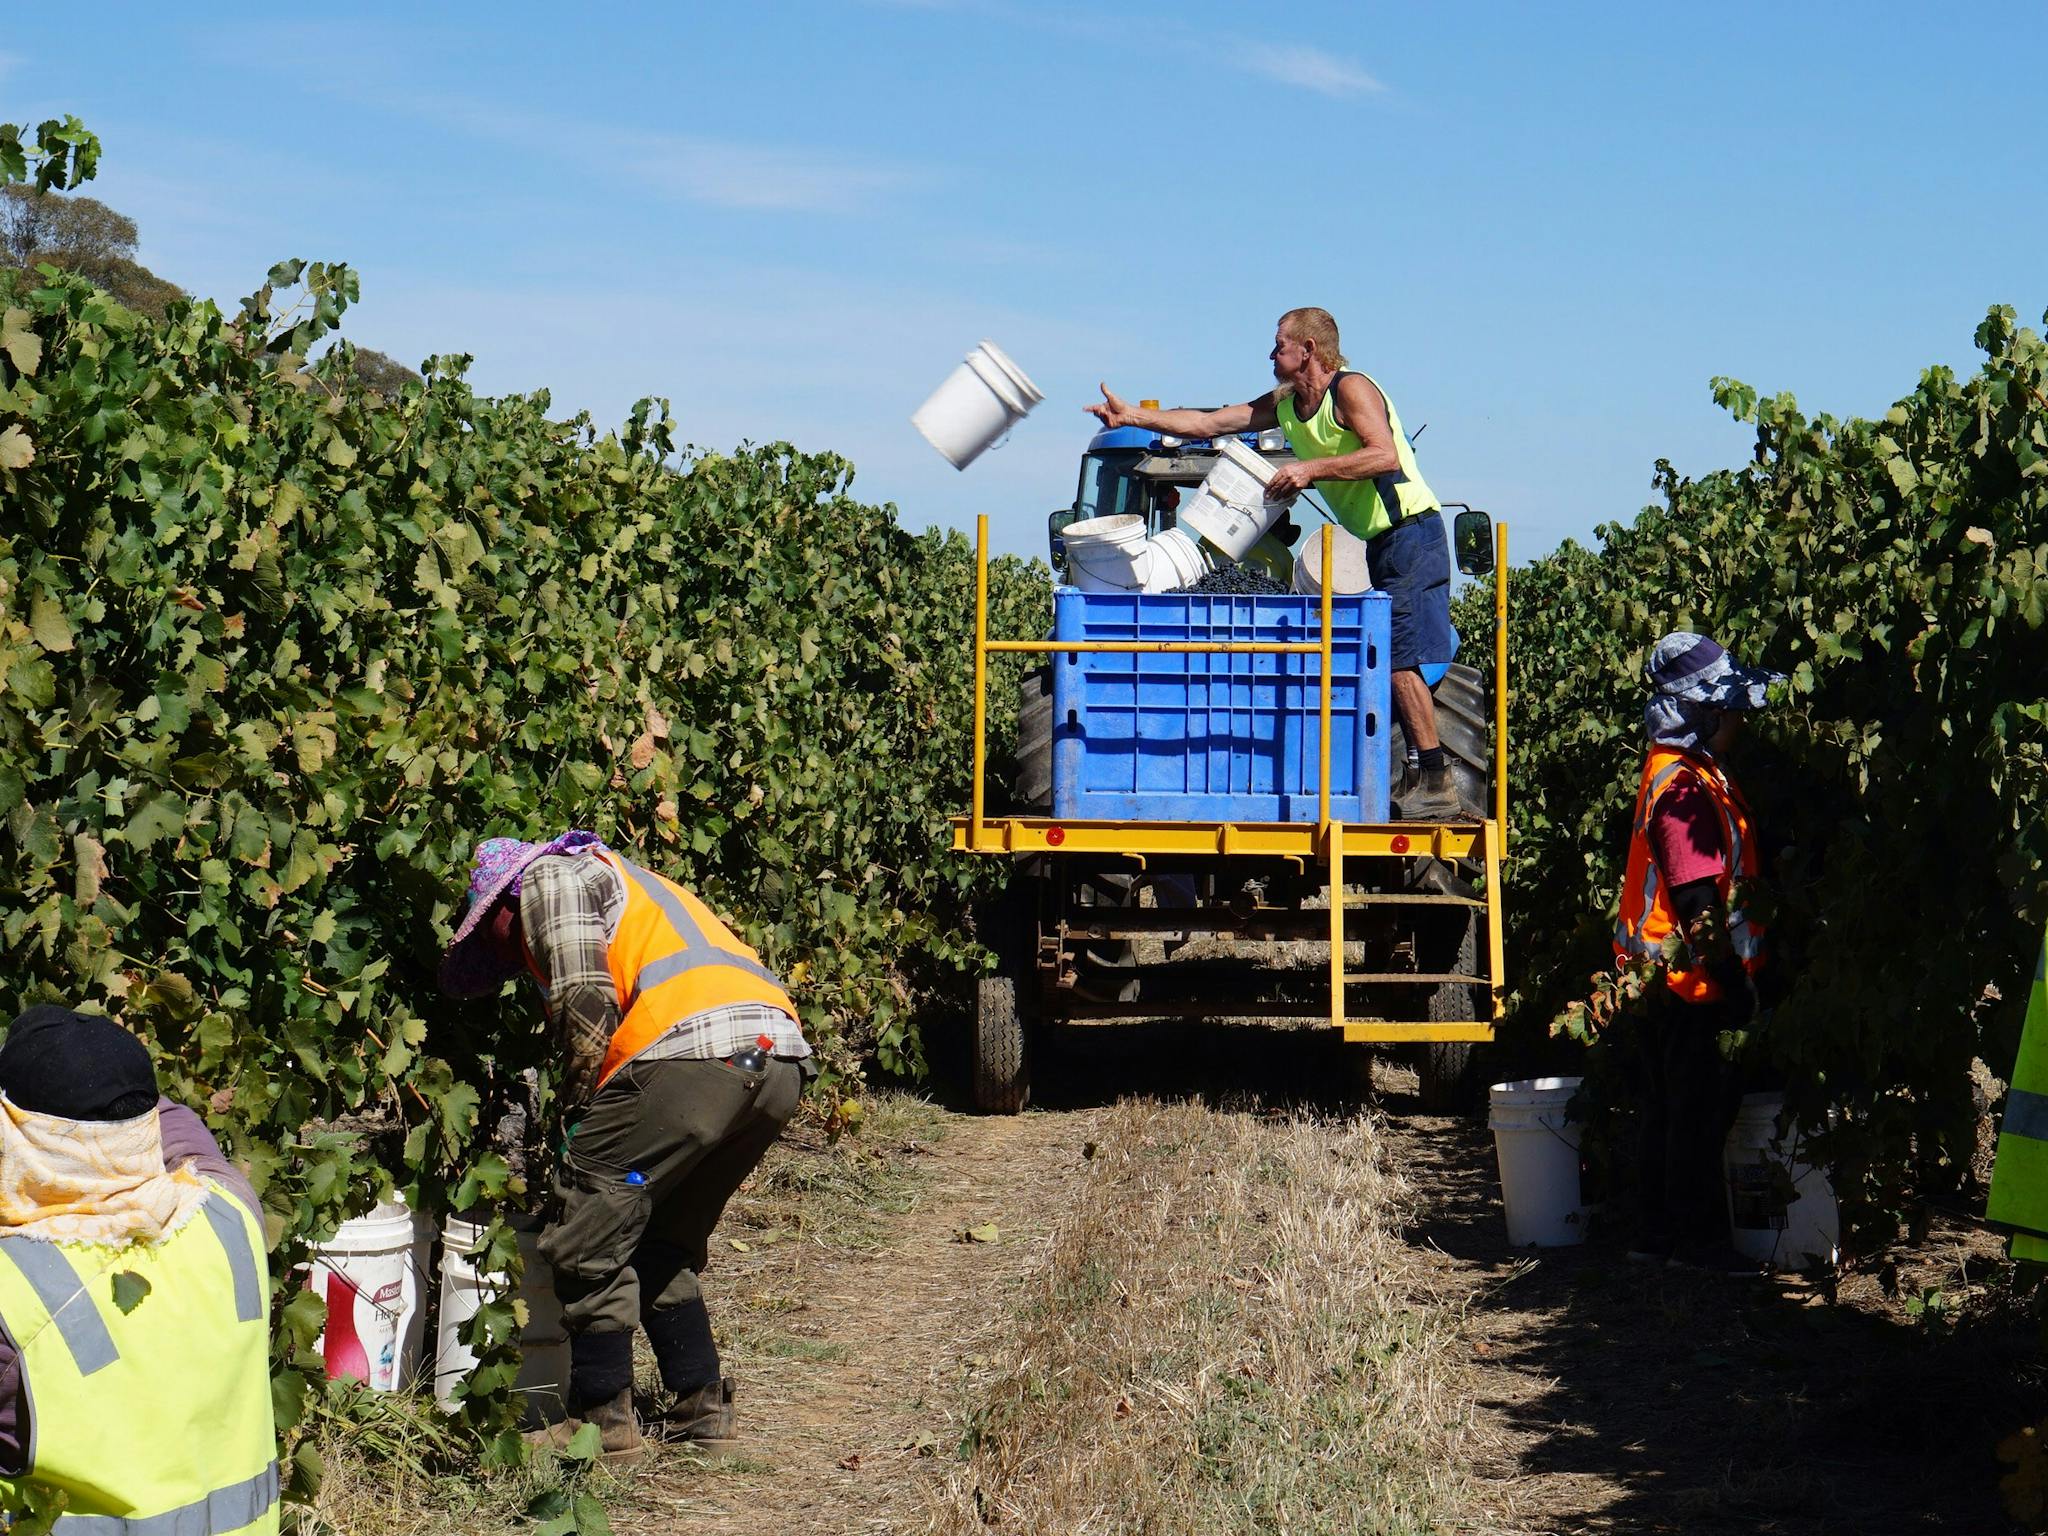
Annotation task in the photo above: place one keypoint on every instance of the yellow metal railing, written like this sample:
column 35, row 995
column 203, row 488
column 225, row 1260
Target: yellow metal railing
column 1487, row 841
column 1500, row 683
column 983, row 647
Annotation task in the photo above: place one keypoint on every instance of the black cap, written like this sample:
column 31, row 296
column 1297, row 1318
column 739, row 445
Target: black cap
column 76, row 1066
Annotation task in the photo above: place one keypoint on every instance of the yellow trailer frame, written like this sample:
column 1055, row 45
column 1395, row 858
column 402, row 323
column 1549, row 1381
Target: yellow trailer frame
column 1325, row 842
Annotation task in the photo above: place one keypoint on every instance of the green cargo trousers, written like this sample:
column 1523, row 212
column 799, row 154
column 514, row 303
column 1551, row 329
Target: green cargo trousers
column 653, row 1162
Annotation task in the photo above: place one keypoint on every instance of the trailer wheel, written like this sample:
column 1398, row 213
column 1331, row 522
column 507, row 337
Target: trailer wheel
column 999, row 1064
column 1446, row 1071
column 1002, row 1073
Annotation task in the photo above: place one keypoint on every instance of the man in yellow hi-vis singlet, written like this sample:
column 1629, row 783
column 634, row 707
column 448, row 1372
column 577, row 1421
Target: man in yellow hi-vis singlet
column 1348, row 444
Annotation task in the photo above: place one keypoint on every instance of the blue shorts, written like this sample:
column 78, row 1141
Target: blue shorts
column 1411, row 563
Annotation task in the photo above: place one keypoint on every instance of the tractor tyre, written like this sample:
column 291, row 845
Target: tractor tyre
column 1031, row 764
column 1463, row 726
column 1447, row 1070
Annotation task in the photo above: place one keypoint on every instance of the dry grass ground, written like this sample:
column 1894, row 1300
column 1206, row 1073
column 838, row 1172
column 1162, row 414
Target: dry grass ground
column 1190, row 1319
column 1256, row 1308
column 810, row 1216
column 1225, row 1336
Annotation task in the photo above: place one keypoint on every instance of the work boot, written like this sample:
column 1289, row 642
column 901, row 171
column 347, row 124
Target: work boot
column 1434, row 798
column 703, row 1418
column 600, row 1393
column 619, row 1437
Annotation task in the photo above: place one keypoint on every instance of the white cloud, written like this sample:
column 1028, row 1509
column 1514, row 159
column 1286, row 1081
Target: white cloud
column 1311, row 69
column 720, row 173
column 10, row 65
column 765, row 177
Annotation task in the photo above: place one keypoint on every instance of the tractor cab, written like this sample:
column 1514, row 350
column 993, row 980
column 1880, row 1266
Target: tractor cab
column 1128, row 470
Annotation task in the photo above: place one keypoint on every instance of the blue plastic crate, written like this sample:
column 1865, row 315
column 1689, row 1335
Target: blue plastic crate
column 1217, row 737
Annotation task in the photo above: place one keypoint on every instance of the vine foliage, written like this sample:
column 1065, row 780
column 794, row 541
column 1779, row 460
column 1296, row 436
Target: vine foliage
column 279, row 650
column 1897, row 570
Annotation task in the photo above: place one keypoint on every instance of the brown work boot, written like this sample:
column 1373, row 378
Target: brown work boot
column 619, row 1437
column 1433, row 798
column 704, row 1418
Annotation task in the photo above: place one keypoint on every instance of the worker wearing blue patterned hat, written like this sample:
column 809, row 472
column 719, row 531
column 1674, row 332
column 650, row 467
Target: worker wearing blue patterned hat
column 1692, row 854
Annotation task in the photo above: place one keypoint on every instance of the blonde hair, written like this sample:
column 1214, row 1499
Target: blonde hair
column 1317, row 326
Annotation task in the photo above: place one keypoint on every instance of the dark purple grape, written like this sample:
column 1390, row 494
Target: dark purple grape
column 1236, row 580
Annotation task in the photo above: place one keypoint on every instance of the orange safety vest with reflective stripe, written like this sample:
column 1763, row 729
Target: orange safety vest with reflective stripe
column 670, row 958
column 1647, row 917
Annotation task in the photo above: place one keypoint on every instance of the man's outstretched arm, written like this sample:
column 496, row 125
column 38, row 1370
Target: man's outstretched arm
column 1253, row 416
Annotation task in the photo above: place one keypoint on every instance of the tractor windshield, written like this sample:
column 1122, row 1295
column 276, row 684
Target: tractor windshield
column 1108, row 487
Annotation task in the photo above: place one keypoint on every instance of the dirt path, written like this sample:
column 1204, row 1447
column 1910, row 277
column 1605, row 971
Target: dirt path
column 1607, row 1397
column 1613, row 1397
column 848, row 1357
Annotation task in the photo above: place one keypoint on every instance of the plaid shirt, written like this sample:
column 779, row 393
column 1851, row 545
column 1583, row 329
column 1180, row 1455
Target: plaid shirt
column 569, row 908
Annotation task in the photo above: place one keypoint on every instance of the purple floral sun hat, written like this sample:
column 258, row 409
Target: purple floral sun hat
column 471, row 968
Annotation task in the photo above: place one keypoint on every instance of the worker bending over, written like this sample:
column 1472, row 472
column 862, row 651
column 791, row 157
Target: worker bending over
column 670, row 1100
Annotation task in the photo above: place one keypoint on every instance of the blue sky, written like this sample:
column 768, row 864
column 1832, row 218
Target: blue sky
column 1543, row 228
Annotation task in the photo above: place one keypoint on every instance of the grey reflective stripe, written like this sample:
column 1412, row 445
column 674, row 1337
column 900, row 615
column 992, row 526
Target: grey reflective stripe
column 669, row 967
column 664, row 898
column 64, row 1297
column 1747, row 941
column 697, row 950
column 2026, row 1114
column 1657, row 788
column 234, row 1237
column 1632, row 939
column 1727, row 803
column 224, row 1509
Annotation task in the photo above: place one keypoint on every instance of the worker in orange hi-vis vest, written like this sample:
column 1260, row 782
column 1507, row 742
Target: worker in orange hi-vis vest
column 684, row 1061
column 1692, row 852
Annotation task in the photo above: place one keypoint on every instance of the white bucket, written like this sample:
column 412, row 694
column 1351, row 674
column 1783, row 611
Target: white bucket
column 1538, row 1150
column 1230, row 509
column 1108, row 554
column 372, row 1275
column 543, row 1342
column 1176, row 559
column 979, row 402
column 1781, row 1209
column 1349, row 571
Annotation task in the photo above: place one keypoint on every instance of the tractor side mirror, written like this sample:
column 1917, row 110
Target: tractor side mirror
column 1055, row 526
column 1472, row 541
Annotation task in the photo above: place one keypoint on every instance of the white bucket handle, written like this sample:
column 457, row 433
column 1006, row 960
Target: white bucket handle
column 419, row 1274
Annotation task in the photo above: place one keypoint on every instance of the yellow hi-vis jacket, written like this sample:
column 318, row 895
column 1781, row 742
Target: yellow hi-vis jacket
column 1367, row 508
column 2019, row 1177
column 155, row 1421
column 671, row 957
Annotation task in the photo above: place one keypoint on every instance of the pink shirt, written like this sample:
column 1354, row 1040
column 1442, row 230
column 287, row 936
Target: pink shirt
column 1685, row 833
